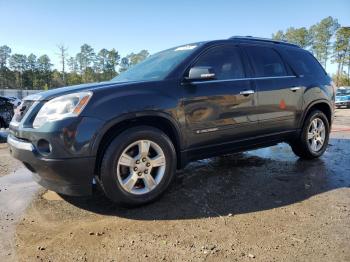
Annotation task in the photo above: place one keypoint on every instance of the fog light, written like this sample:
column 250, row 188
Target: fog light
column 44, row 147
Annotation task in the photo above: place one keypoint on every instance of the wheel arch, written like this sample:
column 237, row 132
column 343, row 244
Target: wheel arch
column 322, row 105
column 113, row 128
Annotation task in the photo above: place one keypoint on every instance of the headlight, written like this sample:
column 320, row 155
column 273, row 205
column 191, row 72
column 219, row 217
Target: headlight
column 62, row 107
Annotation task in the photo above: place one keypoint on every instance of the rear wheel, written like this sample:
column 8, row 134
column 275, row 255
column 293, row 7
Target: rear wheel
column 138, row 166
column 313, row 140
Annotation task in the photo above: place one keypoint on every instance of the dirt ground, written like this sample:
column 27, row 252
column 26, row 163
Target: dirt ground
column 262, row 205
column 8, row 165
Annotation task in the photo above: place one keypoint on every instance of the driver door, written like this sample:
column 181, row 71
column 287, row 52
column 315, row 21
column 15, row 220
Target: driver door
column 221, row 109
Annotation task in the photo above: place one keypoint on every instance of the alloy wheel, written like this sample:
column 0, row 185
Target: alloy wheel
column 141, row 167
column 316, row 134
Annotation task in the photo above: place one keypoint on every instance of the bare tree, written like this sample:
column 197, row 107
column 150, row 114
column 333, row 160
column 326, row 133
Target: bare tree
column 63, row 58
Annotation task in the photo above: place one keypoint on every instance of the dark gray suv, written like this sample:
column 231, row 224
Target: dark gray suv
column 186, row 103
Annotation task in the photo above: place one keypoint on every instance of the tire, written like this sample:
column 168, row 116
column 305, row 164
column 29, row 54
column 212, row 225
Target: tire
column 305, row 148
column 141, row 188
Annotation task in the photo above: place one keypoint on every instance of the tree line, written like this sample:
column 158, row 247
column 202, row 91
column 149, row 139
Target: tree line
column 32, row 72
column 327, row 40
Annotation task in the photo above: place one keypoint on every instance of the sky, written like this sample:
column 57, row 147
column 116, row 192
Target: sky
column 38, row 26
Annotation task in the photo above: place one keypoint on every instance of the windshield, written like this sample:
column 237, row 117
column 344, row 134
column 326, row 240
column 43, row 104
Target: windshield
column 157, row 66
column 343, row 92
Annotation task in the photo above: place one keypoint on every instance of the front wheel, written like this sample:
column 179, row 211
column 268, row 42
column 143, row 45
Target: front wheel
column 313, row 140
column 138, row 166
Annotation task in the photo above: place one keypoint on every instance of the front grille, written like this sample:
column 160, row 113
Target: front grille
column 21, row 110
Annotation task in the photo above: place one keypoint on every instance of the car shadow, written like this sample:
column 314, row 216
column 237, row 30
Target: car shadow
column 239, row 183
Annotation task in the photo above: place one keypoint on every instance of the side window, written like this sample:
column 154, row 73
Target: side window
column 2, row 102
column 225, row 61
column 266, row 61
column 304, row 63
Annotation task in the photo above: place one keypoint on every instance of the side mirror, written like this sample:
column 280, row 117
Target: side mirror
column 201, row 73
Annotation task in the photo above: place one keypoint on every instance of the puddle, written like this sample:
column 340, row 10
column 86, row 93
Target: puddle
column 280, row 152
column 16, row 192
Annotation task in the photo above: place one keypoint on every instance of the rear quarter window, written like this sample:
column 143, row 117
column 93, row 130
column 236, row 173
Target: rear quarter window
column 304, row 63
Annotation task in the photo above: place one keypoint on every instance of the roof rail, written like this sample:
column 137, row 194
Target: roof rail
column 261, row 39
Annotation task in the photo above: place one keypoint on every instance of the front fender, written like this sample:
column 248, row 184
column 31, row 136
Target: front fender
column 131, row 116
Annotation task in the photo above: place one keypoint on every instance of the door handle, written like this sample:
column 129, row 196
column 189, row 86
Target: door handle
column 247, row 92
column 295, row 88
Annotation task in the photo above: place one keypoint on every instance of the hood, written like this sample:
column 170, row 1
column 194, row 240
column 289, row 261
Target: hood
column 47, row 95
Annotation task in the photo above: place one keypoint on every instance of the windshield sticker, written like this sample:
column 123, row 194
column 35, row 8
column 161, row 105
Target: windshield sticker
column 185, row 47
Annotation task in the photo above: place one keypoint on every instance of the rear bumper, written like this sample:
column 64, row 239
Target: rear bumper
column 71, row 176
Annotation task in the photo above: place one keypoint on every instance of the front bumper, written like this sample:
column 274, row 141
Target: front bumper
column 59, row 154
column 71, row 176
column 342, row 103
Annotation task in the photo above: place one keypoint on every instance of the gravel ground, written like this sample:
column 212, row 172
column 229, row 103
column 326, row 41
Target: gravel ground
column 262, row 205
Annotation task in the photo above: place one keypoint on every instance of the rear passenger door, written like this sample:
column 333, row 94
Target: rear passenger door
column 278, row 88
